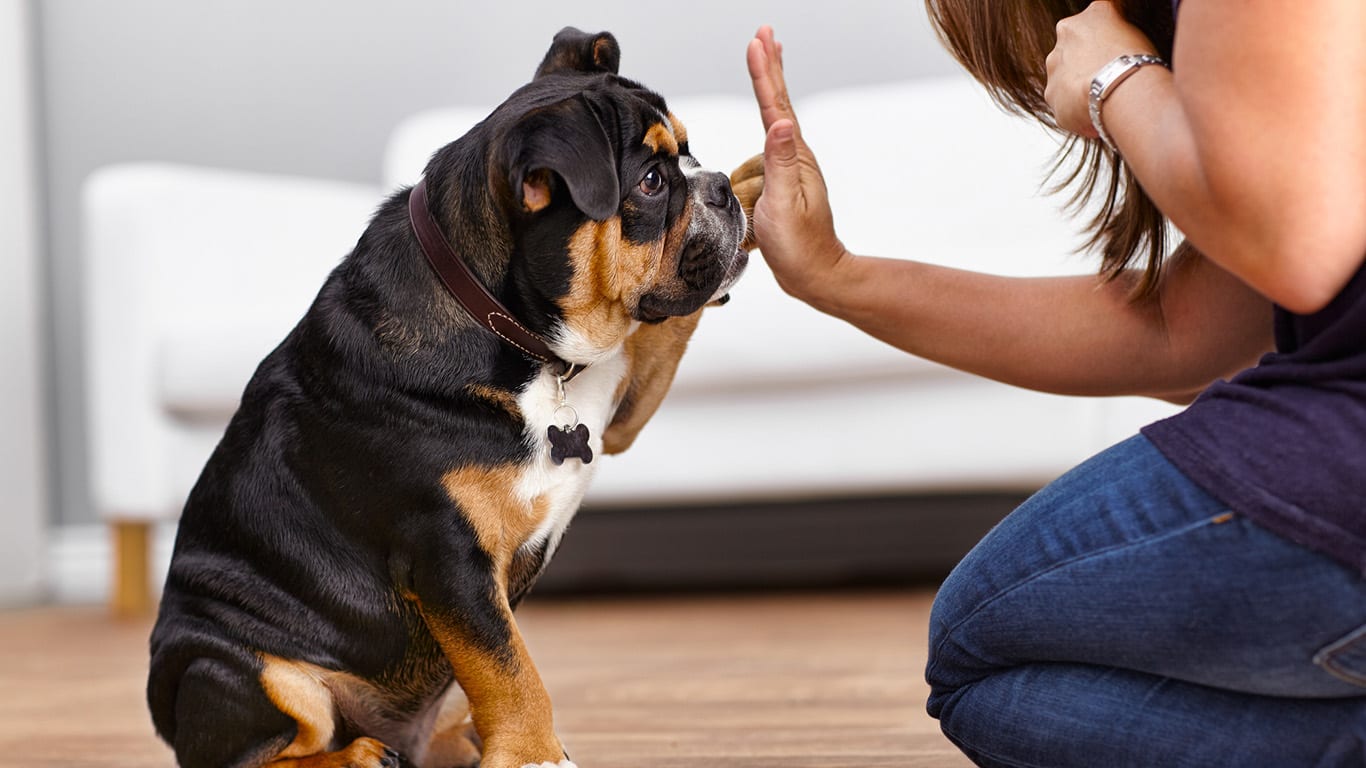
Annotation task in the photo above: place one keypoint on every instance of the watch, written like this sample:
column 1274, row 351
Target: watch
column 1105, row 81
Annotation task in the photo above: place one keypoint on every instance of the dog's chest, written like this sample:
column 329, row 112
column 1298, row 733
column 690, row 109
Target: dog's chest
column 559, row 488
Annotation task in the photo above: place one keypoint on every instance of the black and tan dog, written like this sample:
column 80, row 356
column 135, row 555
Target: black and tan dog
column 404, row 464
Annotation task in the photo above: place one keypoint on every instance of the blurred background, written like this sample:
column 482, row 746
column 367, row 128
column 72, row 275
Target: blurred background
column 317, row 90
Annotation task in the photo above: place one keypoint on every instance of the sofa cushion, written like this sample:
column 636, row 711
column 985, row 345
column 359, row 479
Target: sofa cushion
column 221, row 266
column 201, row 373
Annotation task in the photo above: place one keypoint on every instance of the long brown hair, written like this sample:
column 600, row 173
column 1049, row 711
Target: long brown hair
column 1003, row 45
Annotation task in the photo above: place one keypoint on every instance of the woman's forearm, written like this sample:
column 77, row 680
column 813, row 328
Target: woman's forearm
column 1067, row 335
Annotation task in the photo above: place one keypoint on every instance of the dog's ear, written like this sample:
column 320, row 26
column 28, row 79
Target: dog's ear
column 568, row 139
column 573, row 50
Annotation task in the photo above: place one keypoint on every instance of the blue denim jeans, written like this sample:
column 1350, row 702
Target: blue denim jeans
column 1123, row 617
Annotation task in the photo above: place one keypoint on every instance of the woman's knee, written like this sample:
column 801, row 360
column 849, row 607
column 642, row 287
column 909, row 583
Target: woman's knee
column 949, row 664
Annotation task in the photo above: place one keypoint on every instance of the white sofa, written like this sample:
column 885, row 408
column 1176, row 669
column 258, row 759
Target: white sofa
column 194, row 274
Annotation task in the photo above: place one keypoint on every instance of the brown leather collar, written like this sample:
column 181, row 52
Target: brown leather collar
column 472, row 294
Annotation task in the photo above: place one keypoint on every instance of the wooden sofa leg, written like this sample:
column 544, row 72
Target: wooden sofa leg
column 131, row 592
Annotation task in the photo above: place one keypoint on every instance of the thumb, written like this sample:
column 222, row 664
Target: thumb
column 780, row 157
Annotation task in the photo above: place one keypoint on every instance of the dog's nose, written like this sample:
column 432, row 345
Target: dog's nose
column 716, row 190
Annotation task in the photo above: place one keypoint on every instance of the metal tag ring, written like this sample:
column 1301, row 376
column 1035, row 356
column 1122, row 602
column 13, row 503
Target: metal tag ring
column 573, row 413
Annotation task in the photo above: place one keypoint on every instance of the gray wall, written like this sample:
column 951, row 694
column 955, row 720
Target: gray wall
column 314, row 86
column 23, row 470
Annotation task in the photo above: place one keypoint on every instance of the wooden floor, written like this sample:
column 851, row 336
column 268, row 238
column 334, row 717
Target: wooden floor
column 829, row 680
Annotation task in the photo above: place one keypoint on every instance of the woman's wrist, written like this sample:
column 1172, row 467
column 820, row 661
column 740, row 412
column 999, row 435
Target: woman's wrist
column 1110, row 77
column 831, row 288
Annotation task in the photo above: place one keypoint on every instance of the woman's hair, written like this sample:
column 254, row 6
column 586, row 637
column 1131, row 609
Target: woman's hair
column 1004, row 45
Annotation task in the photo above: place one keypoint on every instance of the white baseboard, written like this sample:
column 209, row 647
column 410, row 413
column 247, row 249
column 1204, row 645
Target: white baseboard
column 80, row 563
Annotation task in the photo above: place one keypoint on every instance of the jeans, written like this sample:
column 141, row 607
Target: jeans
column 1123, row 617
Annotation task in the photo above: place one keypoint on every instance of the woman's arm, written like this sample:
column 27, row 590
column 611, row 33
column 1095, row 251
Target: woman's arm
column 1255, row 146
column 1068, row 335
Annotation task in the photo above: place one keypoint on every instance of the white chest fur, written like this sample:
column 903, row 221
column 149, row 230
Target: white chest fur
column 560, row 487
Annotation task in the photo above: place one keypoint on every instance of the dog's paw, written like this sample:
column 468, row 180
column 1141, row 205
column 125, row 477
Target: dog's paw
column 747, row 182
column 750, row 169
column 366, row 752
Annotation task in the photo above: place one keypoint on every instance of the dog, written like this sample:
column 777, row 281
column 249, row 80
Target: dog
column 403, row 465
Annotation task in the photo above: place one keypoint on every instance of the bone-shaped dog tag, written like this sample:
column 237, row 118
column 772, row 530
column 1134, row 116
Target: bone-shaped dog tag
column 569, row 443
column 571, row 440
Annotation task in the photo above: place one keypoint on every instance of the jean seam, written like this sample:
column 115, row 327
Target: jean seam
column 1211, row 520
column 1326, row 658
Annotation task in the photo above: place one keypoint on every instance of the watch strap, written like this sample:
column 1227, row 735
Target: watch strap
column 1107, row 79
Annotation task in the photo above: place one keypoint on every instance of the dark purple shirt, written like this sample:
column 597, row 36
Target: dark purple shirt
column 1284, row 443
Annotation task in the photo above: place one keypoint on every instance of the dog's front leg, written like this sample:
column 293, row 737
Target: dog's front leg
column 652, row 355
column 455, row 573
column 508, row 702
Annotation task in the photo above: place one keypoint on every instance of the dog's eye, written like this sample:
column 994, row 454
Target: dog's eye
column 652, row 183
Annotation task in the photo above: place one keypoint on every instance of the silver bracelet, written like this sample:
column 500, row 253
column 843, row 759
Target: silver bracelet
column 1105, row 82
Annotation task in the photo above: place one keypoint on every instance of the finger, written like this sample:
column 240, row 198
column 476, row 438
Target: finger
column 765, row 93
column 782, row 174
column 773, row 51
column 766, row 75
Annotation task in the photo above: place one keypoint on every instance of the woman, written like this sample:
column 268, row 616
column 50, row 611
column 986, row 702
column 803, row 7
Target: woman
column 1193, row 596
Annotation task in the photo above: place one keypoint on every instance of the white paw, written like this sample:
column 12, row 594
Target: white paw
column 561, row 764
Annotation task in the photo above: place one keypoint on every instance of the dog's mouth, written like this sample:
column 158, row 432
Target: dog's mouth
column 731, row 266
column 736, row 268
column 706, row 279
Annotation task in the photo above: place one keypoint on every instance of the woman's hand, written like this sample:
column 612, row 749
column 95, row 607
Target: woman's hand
column 1086, row 42
column 792, row 219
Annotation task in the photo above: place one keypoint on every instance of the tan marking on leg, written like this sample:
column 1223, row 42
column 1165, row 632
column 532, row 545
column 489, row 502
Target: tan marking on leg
column 652, row 355
column 361, row 753
column 297, row 690
column 315, row 697
column 502, row 522
column 509, row 705
column 659, row 138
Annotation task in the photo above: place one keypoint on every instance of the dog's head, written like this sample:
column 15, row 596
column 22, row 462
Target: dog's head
column 611, row 219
